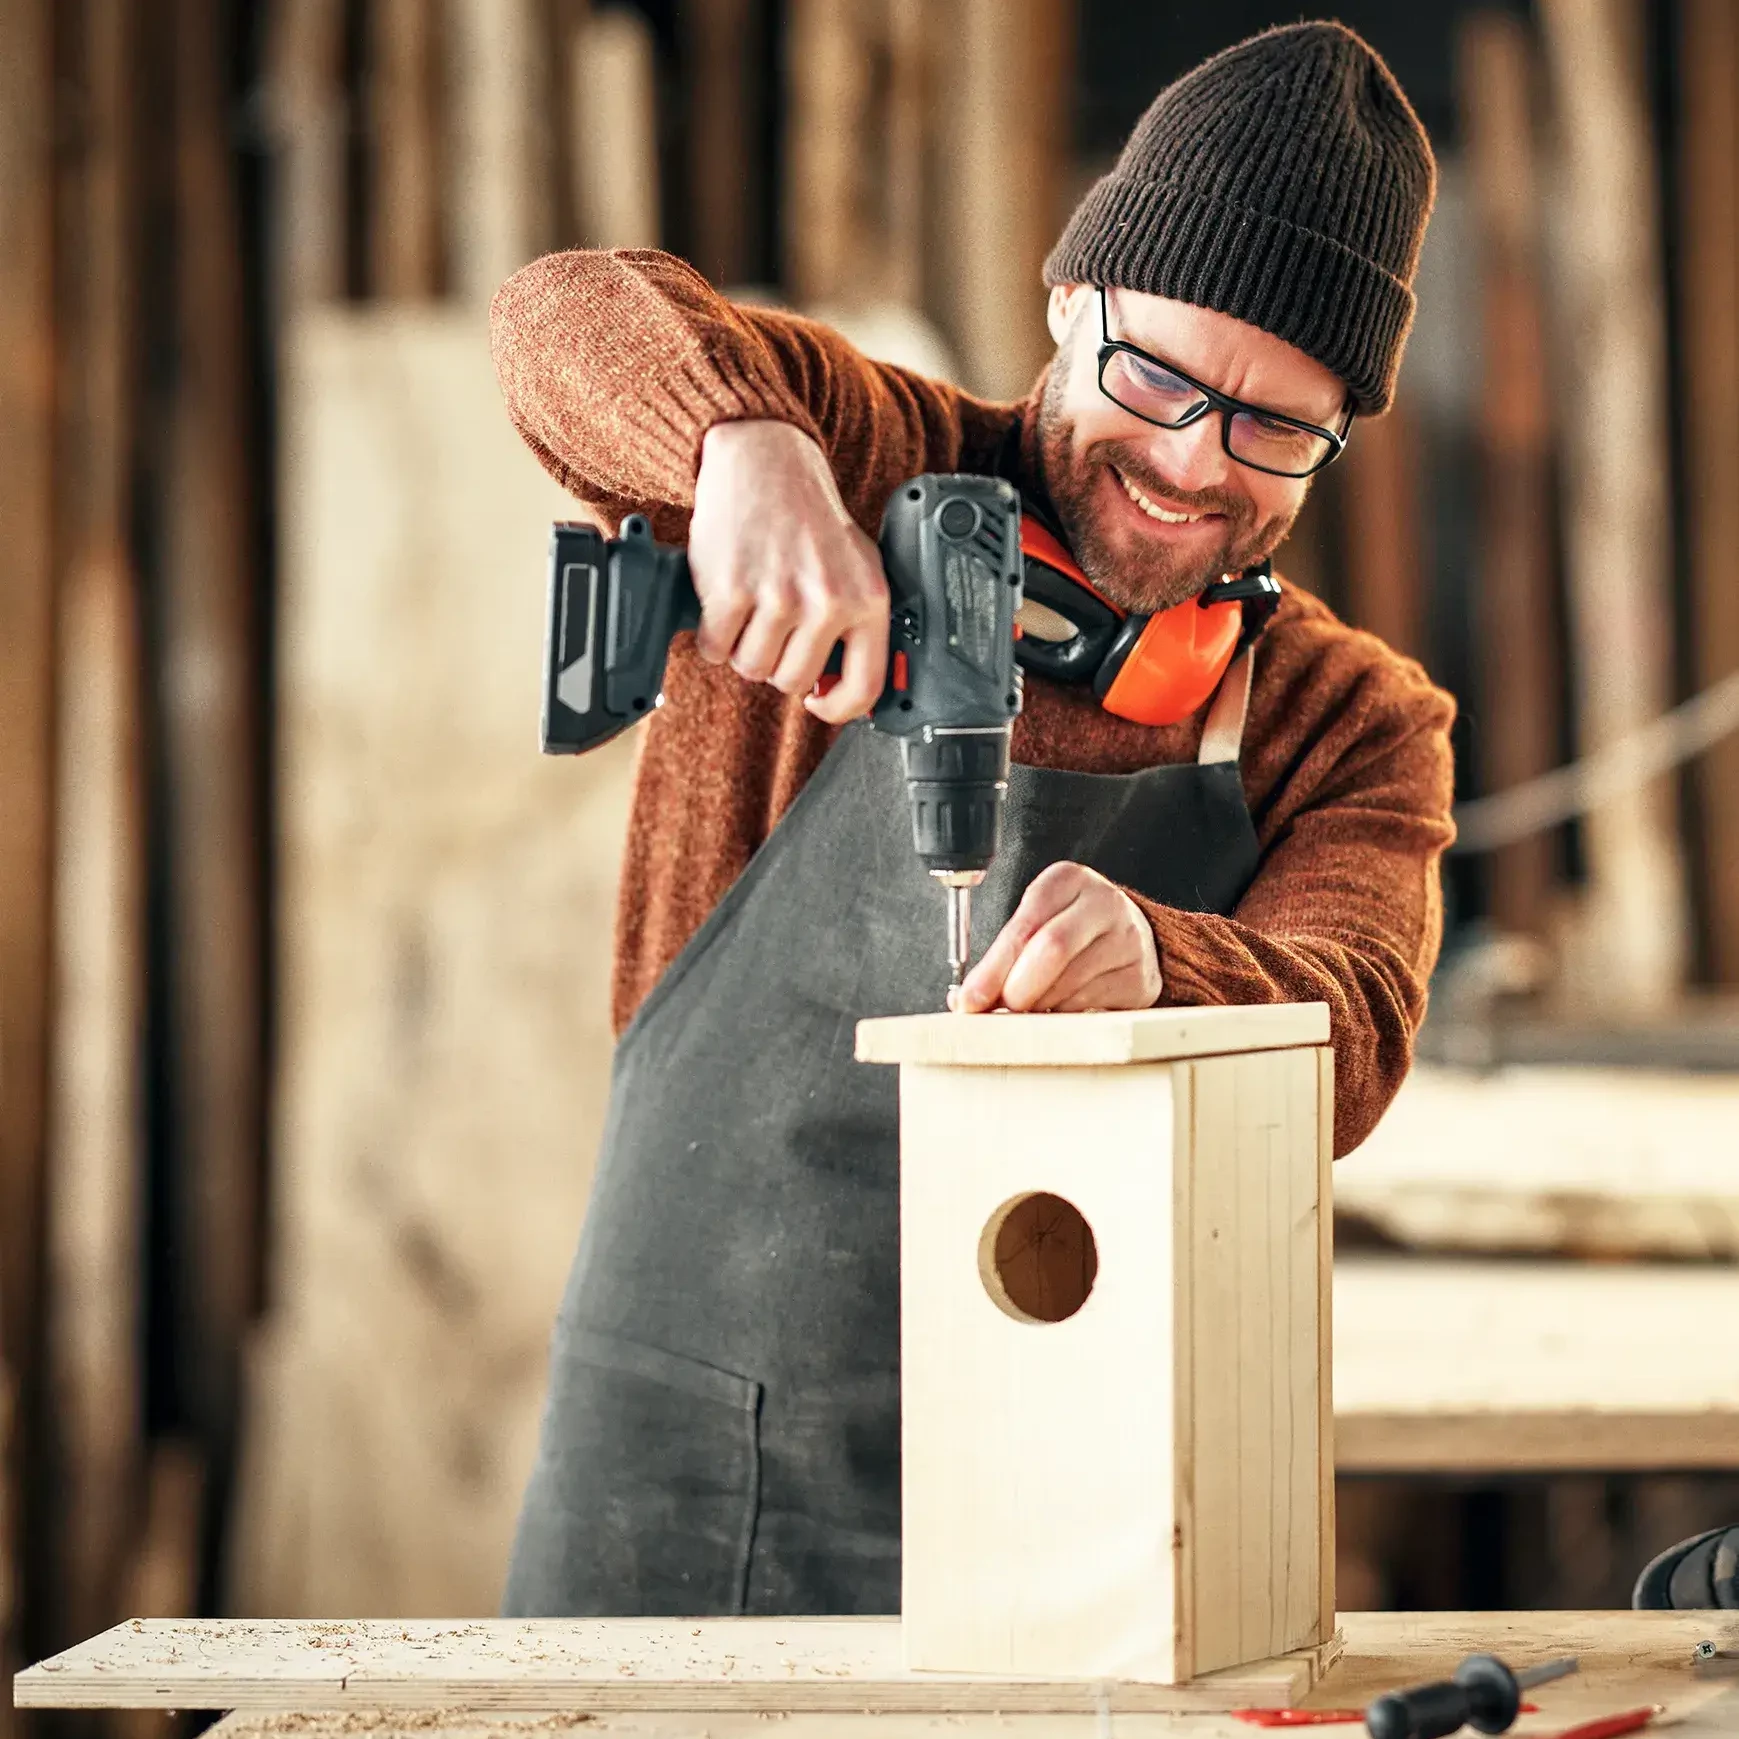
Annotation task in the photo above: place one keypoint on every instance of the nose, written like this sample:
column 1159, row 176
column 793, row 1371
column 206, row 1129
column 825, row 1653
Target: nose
column 1193, row 457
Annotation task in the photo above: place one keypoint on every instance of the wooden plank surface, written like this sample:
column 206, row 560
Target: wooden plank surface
column 1515, row 621
column 1145, row 1035
column 404, row 160
column 1708, row 244
column 773, row 1665
column 96, row 1118
column 1628, row 946
column 1039, row 1516
column 27, row 85
column 446, row 897
column 1450, row 1366
column 1628, row 1659
column 1586, row 1162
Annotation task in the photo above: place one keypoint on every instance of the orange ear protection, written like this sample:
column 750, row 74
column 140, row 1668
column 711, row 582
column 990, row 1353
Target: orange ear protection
column 1154, row 669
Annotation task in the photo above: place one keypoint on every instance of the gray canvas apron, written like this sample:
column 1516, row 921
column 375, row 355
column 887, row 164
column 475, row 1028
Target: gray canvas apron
column 722, row 1427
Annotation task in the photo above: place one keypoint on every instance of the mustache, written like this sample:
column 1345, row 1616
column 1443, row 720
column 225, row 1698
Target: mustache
column 1133, row 466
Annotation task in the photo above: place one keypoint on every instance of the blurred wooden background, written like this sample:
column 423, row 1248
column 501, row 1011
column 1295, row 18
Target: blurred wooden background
column 303, row 949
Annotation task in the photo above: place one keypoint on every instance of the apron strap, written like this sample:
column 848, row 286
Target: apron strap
column 1223, row 735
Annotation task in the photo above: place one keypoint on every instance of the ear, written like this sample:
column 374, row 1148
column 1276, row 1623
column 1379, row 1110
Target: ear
column 1064, row 304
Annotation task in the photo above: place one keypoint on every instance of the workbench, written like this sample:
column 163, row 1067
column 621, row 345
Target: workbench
column 1632, row 1163
column 1506, row 1367
column 453, row 1674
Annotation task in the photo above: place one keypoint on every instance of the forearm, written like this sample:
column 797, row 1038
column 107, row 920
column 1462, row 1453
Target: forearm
column 614, row 367
column 1376, row 999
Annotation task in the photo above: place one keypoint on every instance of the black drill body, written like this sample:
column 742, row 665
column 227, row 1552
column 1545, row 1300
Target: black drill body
column 950, row 546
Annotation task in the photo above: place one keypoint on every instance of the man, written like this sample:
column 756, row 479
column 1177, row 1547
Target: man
column 722, row 1426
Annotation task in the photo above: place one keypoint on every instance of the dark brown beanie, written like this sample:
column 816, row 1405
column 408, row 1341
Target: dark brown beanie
column 1285, row 182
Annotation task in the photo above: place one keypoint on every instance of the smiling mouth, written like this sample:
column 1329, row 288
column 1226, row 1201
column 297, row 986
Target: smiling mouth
column 1150, row 507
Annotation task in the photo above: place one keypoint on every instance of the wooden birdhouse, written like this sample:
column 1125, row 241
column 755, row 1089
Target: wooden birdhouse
column 1117, row 1432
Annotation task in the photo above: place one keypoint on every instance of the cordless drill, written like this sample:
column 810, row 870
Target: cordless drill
column 951, row 549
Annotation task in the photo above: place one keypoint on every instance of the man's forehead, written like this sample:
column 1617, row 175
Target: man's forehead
column 1231, row 354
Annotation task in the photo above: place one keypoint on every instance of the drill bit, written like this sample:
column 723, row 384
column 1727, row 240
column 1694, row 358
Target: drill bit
column 959, row 884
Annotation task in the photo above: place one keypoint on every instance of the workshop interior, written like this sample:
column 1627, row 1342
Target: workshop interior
column 396, row 896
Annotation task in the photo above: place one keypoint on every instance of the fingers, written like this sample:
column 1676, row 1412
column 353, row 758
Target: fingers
column 1046, row 959
column 864, row 675
column 1076, row 941
column 1123, row 988
column 1105, row 953
column 1051, row 892
column 782, row 572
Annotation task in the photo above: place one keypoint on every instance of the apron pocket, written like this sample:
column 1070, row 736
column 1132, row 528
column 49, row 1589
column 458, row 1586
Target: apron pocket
column 643, row 1499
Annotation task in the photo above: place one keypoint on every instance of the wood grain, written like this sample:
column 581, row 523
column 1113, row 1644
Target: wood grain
column 1459, row 1367
column 404, row 160
column 26, row 710
column 1131, row 1491
column 1629, row 1659
column 766, row 1664
column 446, row 900
column 1628, row 947
column 1000, row 165
column 211, row 723
column 1516, row 627
column 1554, row 1161
column 1254, row 1432
column 1708, row 244
column 306, row 53
column 1069, row 1040
column 94, row 1317
column 1037, row 1518
column 501, row 143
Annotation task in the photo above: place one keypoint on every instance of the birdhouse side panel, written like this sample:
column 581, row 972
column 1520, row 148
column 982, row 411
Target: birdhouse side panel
column 1251, row 1408
column 1037, row 1369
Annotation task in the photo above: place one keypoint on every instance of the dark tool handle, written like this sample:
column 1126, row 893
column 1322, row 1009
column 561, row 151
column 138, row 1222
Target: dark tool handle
column 1425, row 1712
column 1483, row 1694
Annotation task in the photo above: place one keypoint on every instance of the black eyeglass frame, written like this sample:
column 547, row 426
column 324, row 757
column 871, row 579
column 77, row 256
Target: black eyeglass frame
column 1215, row 400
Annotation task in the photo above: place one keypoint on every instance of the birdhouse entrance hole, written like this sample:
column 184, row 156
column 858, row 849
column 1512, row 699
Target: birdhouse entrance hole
column 1037, row 1258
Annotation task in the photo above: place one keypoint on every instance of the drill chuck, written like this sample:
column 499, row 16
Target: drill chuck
column 957, row 780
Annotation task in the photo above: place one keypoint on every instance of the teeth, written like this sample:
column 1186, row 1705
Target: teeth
column 1152, row 508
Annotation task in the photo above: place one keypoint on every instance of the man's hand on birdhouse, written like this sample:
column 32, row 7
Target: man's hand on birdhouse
column 1075, row 942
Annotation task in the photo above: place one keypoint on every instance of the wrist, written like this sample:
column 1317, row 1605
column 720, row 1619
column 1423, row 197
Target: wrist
column 759, row 436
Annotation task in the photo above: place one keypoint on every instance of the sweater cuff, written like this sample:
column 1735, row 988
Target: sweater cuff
column 1183, row 962
column 688, row 401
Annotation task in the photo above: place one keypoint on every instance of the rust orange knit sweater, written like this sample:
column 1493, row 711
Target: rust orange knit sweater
column 614, row 366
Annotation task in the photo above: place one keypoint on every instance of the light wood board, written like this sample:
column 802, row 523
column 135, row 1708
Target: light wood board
column 768, row 1664
column 446, row 899
column 1627, row 948
column 1451, row 1367
column 1145, row 1035
column 1595, row 1162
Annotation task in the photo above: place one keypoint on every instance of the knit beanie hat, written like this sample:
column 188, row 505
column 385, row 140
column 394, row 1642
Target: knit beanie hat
column 1285, row 182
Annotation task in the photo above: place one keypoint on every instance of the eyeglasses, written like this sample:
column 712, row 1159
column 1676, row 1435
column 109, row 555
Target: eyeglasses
column 1162, row 394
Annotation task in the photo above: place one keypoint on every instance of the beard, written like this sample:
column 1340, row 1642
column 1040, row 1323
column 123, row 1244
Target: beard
column 1135, row 572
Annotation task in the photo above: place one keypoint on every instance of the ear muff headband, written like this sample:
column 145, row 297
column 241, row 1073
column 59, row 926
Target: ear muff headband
column 1152, row 669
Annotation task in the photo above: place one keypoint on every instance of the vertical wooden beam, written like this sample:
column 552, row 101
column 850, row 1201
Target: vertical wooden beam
column 908, row 90
column 1708, row 242
column 1628, row 951
column 614, row 116
column 500, row 142
column 95, row 1101
column 827, row 98
column 210, row 726
column 1005, row 108
column 722, row 62
column 1385, row 553
column 404, row 150
column 26, row 662
column 1518, row 702
column 309, row 114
